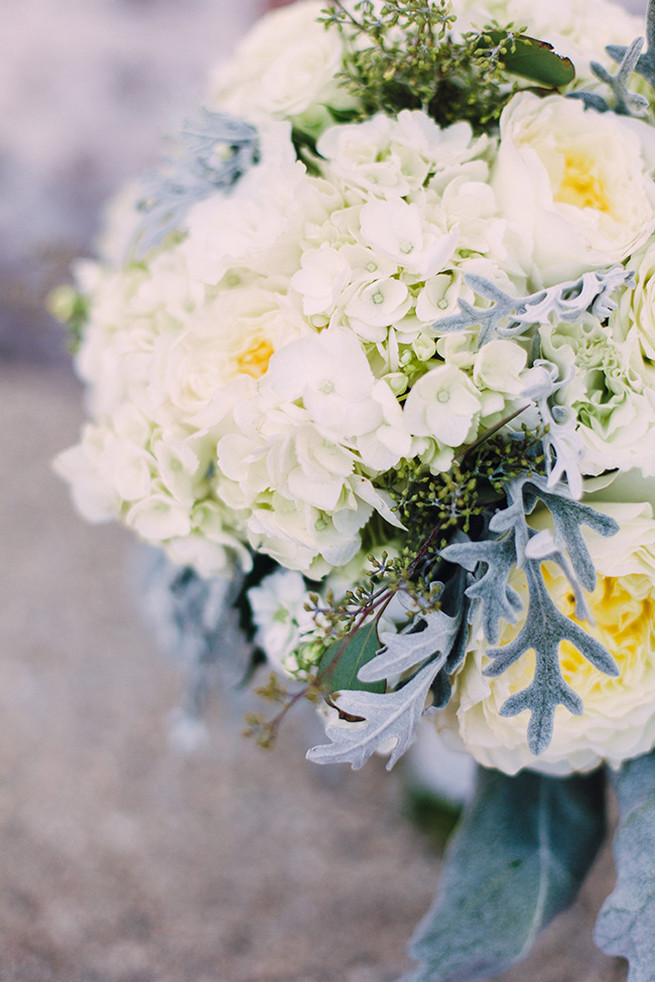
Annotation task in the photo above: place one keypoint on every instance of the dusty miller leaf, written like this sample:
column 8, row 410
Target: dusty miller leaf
column 544, row 626
column 626, row 923
column 403, row 651
column 509, row 316
column 627, row 103
column 214, row 151
column 645, row 65
column 386, row 716
column 518, row 857
column 498, row 600
column 562, row 442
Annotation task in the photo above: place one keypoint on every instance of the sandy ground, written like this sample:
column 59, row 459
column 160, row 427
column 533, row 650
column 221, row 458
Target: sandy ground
column 122, row 860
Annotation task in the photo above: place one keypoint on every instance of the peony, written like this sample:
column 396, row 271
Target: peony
column 618, row 721
column 638, row 306
column 611, row 389
column 575, row 183
column 286, row 67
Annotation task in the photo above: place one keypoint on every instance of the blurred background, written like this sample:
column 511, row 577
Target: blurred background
column 124, row 860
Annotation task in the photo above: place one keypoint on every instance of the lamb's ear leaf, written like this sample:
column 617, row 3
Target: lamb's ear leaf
column 626, row 923
column 519, row 856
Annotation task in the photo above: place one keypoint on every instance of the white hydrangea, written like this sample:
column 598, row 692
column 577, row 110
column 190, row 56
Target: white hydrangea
column 299, row 451
column 278, row 608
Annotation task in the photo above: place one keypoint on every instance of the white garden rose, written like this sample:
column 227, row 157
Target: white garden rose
column 611, row 387
column 618, row 719
column 285, row 67
column 637, row 306
column 575, row 183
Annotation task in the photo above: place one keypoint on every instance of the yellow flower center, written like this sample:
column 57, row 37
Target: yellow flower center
column 622, row 610
column 254, row 360
column 581, row 185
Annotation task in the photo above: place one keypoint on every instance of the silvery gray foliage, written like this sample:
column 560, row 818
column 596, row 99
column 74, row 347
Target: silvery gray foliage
column 189, row 614
column 214, row 151
column 406, row 649
column 385, row 716
column 508, row 316
column 518, row 857
column 629, row 60
column 393, row 715
column 544, row 627
column 627, row 103
column 645, row 65
column 626, row 923
column 562, row 443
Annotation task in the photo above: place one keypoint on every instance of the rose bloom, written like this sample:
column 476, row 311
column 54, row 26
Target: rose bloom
column 576, row 185
column 618, row 719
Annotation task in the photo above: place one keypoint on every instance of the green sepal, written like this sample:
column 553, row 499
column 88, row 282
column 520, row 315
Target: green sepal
column 531, row 59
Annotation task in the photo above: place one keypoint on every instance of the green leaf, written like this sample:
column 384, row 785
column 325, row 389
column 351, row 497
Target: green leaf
column 518, row 857
column 626, row 923
column 531, row 59
column 343, row 660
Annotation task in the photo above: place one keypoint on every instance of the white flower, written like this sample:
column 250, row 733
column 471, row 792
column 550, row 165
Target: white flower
column 611, row 391
column 376, row 307
column 279, row 615
column 284, row 67
column 637, row 306
column 576, row 184
column 618, row 720
column 259, row 221
column 383, row 157
column 84, row 467
column 443, row 405
column 398, row 231
column 324, row 274
column 499, row 366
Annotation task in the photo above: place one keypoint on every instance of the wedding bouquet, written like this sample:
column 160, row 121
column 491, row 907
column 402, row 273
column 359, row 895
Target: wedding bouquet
column 376, row 345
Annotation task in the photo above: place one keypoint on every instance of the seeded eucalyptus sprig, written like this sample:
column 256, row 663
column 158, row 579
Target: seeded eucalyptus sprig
column 405, row 56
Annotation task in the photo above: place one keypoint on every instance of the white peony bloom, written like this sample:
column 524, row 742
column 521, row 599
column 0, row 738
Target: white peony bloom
column 618, row 720
column 575, row 183
column 637, row 306
column 286, row 66
column 612, row 391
